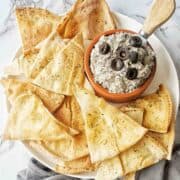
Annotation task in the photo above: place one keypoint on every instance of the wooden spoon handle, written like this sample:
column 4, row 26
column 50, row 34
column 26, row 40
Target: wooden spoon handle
column 160, row 12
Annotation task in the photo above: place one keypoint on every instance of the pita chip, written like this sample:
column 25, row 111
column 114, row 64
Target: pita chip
column 50, row 47
column 14, row 88
column 134, row 113
column 79, row 165
column 166, row 139
column 158, row 110
column 137, row 115
column 64, row 113
column 70, row 114
column 127, row 131
column 69, row 148
column 130, row 176
column 90, row 17
column 146, row 152
column 102, row 145
column 35, row 25
column 30, row 120
column 110, row 169
column 76, row 166
column 64, row 71
column 25, row 62
column 99, row 118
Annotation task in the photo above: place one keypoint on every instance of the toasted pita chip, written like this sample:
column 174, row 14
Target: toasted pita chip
column 135, row 113
column 25, row 61
column 102, row 145
column 100, row 118
column 15, row 87
column 64, row 113
column 131, row 176
column 69, row 148
column 66, row 167
column 166, row 139
column 158, row 110
column 12, row 69
column 110, row 169
column 30, row 120
column 70, row 113
column 77, row 166
column 127, row 131
column 64, row 71
column 35, row 25
column 90, row 17
column 146, row 152
column 50, row 47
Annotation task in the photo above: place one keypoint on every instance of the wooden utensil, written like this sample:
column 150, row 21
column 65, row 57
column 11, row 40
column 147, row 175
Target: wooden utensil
column 160, row 12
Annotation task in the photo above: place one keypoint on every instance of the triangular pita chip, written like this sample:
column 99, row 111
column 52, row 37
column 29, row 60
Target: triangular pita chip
column 25, row 61
column 130, row 176
column 69, row 148
column 102, row 145
column 66, row 167
column 158, row 110
column 70, row 114
column 146, row 152
column 14, row 88
column 80, row 165
column 35, row 25
column 135, row 113
column 65, row 70
column 90, row 17
column 30, row 120
column 110, row 169
column 100, row 118
column 50, row 47
column 166, row 139
column 127, row 131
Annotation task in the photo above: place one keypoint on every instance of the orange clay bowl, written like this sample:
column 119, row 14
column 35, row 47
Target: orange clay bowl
column 100, row 91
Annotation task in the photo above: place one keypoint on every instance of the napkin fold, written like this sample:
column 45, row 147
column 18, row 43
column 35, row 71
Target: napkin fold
column 164, row 170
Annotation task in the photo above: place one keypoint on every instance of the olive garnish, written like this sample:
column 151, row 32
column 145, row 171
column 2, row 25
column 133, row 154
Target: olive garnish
column 122, row 53
column 104, row 48
column 135, row 41
column 117, row 64
column 133, row 56
column 131, row 73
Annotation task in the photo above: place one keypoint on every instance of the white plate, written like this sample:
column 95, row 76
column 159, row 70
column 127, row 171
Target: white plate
column 166, row 74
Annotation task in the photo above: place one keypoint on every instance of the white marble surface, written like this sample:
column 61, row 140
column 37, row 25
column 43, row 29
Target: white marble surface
column 13, row 156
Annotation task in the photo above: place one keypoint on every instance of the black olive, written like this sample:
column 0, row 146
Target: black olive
column 133, row 56
column 122, row 53
column 135, row 41
column 104, row 48
column 117, row 64
column 131, row 73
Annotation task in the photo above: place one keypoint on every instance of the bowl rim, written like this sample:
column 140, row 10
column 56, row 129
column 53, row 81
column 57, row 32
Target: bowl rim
column 117, row 97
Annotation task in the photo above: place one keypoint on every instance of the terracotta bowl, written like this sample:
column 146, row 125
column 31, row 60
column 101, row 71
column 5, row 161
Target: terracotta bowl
column 100, row 91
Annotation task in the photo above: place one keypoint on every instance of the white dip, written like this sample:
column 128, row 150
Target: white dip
column 116, row 81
